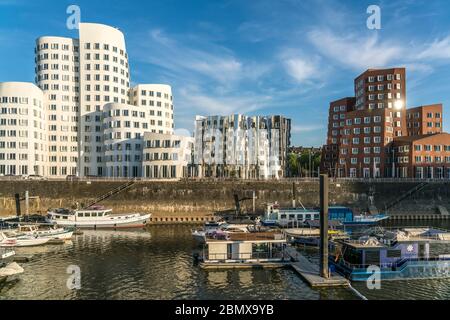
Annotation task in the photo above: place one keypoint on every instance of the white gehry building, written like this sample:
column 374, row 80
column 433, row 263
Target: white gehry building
column 23, row 134
column 82, row 80
column 239, row 146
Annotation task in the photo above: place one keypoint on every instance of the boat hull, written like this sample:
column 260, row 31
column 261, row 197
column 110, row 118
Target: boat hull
column 135, row 222
column 421, row 269
column 24, row 243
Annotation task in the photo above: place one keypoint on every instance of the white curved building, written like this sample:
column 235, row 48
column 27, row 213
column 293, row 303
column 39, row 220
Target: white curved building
column 157, row 99
column 57, row 66
column 83, row 82
column 124, row 125
column 105, row 78
column 23, row 134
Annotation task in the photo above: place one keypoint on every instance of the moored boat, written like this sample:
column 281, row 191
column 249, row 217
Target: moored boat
column 10, row 239
column 96, row 218
column 405, row 253
column 52, row 232
column 294, row 217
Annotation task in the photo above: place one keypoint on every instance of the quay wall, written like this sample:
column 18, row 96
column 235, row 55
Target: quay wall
column 200, row 198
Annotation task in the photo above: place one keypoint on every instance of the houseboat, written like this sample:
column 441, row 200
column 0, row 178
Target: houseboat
column 96, row 218
column 407, row 253
column 240, row 250
column 285, row 217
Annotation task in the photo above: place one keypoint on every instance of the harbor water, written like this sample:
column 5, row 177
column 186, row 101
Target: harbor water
column 157, row 263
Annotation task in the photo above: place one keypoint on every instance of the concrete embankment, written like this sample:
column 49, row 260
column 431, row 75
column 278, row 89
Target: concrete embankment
column 201, row 198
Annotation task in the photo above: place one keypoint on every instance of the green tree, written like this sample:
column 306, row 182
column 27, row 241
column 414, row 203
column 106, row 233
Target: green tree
column 293, row 161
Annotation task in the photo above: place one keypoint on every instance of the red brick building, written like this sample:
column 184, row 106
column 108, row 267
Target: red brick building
column 362, row 130
column 422, row 157
column 424, row 120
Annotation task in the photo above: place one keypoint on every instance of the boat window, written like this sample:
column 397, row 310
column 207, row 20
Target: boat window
column 65, row 217
column 283, row 216
column 291, row 216
column 299, row 217
column 372, row 257
column 93, row 214
column 100, row 214
column 87, row 214
column 58, row 217
column 81, row 214
column 394, row 253
column 316, row 217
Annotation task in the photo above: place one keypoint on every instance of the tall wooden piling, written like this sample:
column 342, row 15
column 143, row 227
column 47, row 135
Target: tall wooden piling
column 324, row 187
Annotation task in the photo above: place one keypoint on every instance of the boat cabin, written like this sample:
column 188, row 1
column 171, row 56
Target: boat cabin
column 254, row 247
column 86, row 214
column 292, row 216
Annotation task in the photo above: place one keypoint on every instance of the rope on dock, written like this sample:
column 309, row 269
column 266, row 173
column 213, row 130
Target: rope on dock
column 359, row 294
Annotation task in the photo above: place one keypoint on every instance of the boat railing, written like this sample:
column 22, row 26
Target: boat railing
column 391, row 265
column 245, row 236
column 278, row 254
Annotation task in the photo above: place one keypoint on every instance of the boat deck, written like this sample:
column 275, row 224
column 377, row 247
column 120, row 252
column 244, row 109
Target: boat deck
column 250, row 236
column 310, row 272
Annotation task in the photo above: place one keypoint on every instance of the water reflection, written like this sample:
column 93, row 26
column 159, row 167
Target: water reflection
column 157, row 264
column 217, row 279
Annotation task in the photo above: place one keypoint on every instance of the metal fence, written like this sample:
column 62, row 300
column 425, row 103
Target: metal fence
column 121, row 179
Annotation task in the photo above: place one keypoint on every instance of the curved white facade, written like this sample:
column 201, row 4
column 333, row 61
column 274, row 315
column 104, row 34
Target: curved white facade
column 166, row 156
column 83, row 82
column 104, row 78
column 123, row 138
column 157, row 100
column 23, row 134
column 57, row 65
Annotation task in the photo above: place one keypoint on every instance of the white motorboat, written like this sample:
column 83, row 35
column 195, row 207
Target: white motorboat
column 10, row 239
column 96, row 218
column 53, row 232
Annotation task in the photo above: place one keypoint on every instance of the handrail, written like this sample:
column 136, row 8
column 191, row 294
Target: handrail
column 396, row 264
column 111, row 193
column 245, row 256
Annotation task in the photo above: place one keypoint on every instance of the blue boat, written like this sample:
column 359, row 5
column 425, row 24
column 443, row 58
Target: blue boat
column 277, row 216
column 408, row 253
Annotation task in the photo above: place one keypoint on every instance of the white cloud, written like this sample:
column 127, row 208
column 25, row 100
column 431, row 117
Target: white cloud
column 439, row 49
column 300, row 69
column 207, row 104
column 185, row 60
column 356, row 52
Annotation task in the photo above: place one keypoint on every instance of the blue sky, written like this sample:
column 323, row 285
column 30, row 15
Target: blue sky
column 289, row 57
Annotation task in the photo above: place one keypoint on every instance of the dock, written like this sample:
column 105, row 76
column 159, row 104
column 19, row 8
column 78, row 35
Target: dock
column 310, row 272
